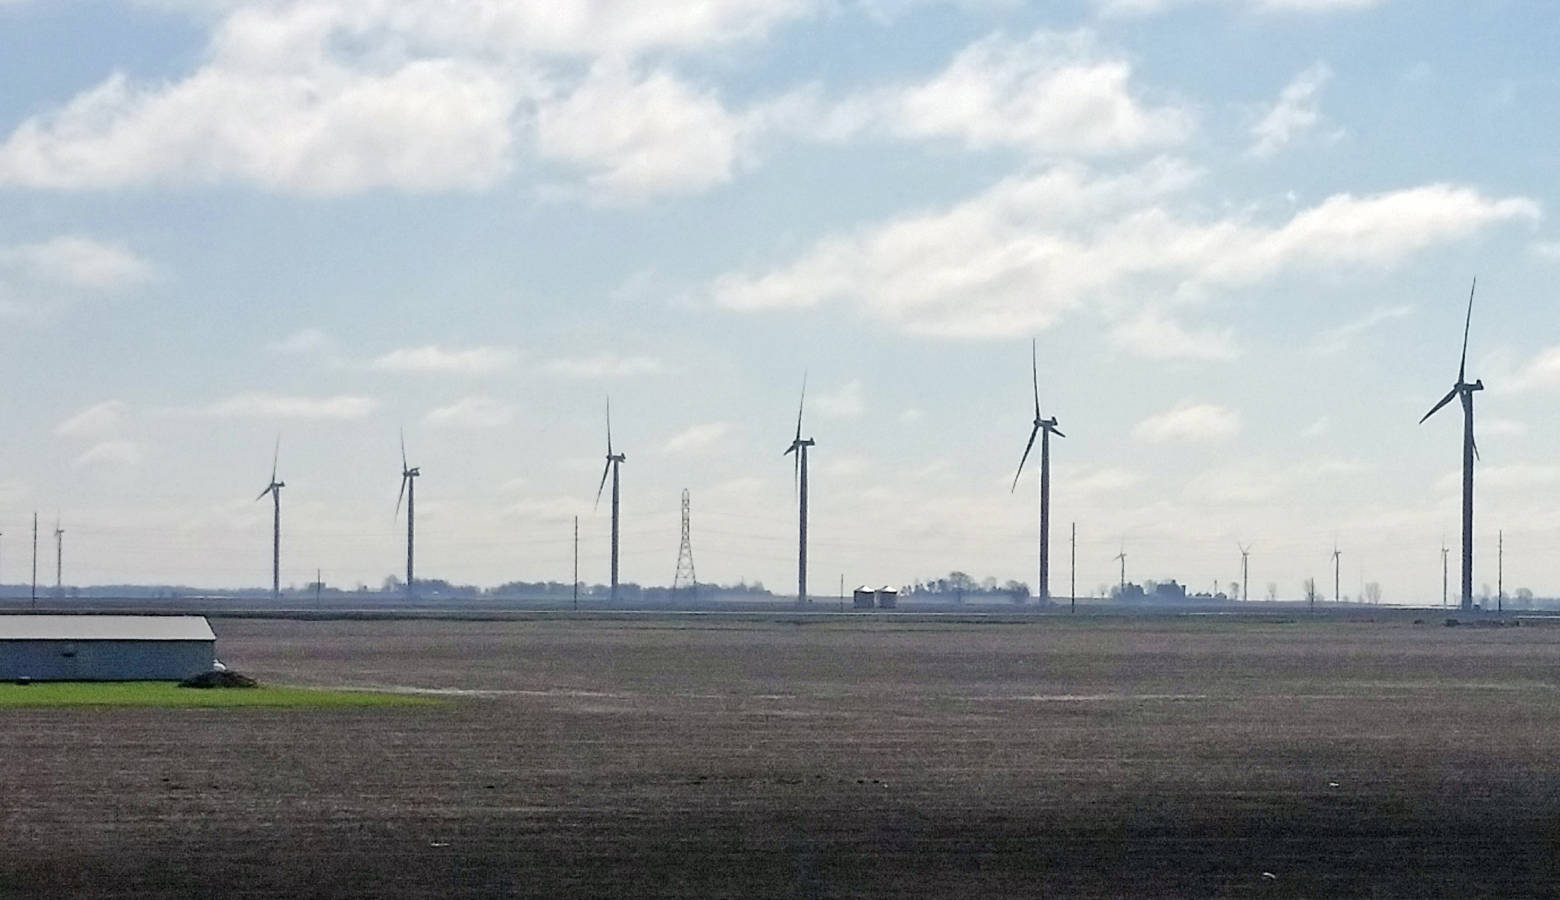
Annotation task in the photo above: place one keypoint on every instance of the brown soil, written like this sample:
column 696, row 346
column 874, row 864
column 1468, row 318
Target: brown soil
column 782, row 757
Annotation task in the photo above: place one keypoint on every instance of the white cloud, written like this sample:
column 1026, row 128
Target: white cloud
column 1138, row 8
column 1542, row 371
column 605, row 365
column 260, row 405
column 697, row 438
column 843, row 402
column 1237, row 484
column 97, row 420
column 1031, row 248
column 1337, row 340
column 302, row 342
column 1153, row 336
column 472, row 412
column 111, row 454
column 1053, row 93
column 1318, row 428
column 1509, row 477
column 1294, row 114
column 640, row 136
column 1192, row 422
column 433, row 358
column 40, row 277
column 1491, row 427
column 1089, row 481
column 1546, row 250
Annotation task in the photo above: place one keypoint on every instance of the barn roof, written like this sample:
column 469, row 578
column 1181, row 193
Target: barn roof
column 30, row 627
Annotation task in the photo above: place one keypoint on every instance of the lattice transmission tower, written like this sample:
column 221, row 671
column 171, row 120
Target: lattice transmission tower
column 685, row 579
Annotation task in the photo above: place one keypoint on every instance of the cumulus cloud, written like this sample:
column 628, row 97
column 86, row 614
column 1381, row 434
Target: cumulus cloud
column 435, row 359
column 844, row 402
column 1138, row 8
column 1295, row 113
column 1541, row 372
column 260, row 405
column 638, row 136
column 110, row 454
column 41, row 277
column 1189, row 423
column 1337, row 340
column 472, row 412
column 97, row 420
column 1052, row 93
column 605, row 365
column 697, row 438
column 303, row 342
column 1031, row 248
column 1152, row 335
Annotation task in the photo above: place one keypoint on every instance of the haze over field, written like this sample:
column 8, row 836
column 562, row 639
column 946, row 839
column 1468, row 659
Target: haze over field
column 1242, row 232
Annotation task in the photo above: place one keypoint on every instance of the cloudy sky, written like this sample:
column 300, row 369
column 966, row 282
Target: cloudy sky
column 1241, row 231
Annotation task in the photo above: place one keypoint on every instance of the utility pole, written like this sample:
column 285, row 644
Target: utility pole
column 319, row 585
column 1072, row 574
column 1500, row 571
column 576, row 563
column 35, row 561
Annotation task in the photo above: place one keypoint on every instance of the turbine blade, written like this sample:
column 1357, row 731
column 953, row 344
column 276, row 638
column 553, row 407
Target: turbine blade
column 603, row 484
column 1475, row 443
column 1022, row 459
column 276, row 454
column 1034, row 371
column 1057, row 431
column 789, row 450
column 268, row 489
column 796, row 475
column 403, row 450
column 800, row 405
column 1437, row 408
column 402, row 492
column 609, row 426
column 1462, row 367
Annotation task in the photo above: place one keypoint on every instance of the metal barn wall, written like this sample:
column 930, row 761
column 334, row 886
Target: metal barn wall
column 104, row 660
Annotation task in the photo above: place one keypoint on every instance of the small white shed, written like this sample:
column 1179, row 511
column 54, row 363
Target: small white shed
column 104, row 648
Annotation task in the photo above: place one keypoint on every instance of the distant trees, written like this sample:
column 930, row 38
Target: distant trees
column 1372, row 592
column 959, row 586
column 1309, row 591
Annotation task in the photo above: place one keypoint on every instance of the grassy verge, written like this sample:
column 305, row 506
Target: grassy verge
column 169, row 694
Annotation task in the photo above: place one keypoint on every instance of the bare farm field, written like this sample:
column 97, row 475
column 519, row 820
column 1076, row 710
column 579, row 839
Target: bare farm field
column 774, row 755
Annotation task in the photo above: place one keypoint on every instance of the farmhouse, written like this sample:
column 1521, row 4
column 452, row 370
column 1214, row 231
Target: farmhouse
column 104, row 648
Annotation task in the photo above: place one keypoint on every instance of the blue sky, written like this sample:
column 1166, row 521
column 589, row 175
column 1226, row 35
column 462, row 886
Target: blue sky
column 1241, row 231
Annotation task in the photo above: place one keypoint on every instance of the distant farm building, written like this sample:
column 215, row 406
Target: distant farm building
column 884, row 597
column 104, row 648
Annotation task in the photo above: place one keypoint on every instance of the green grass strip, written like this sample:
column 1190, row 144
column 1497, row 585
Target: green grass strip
column 168, row 694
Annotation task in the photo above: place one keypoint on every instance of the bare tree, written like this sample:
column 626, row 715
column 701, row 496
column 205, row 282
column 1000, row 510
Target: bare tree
column 1310, row 591
column 1372, row 592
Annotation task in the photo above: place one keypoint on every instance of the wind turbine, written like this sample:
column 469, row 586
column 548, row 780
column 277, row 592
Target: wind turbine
column 1121, row 592
column 1045, row 428
column 613, row 462
column 1245, row 585
column 1464, row 391
column 408, row 490
column 274, row 488
column 799, row 478
column 1337, row 567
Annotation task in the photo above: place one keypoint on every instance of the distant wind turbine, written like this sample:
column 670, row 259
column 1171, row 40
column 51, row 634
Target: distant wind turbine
column 1464, row 391
column 1245, row 584
column 613, row 462
column 274, row 488
column 1337, row 568
column 1044, row 428
column 799, row 476
column 1121, row 592
column 409, row 491
column 59, row 557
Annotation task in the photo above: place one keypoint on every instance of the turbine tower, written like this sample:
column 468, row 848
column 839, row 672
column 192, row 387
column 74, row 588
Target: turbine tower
column 1121, row 592
column 613, row 462
column 799, row 477
column 59, row 557
column 1337, row 566
column 1464, row 391
column 1045, row 428
column 409, row 491
column 274, row 488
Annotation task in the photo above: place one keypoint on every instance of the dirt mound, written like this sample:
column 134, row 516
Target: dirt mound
column 219, row 679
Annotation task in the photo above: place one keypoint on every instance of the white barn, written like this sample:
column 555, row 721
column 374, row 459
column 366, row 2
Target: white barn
column 104, row 648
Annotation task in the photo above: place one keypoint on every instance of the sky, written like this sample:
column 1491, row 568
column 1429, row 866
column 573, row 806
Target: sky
column 1241, row 233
